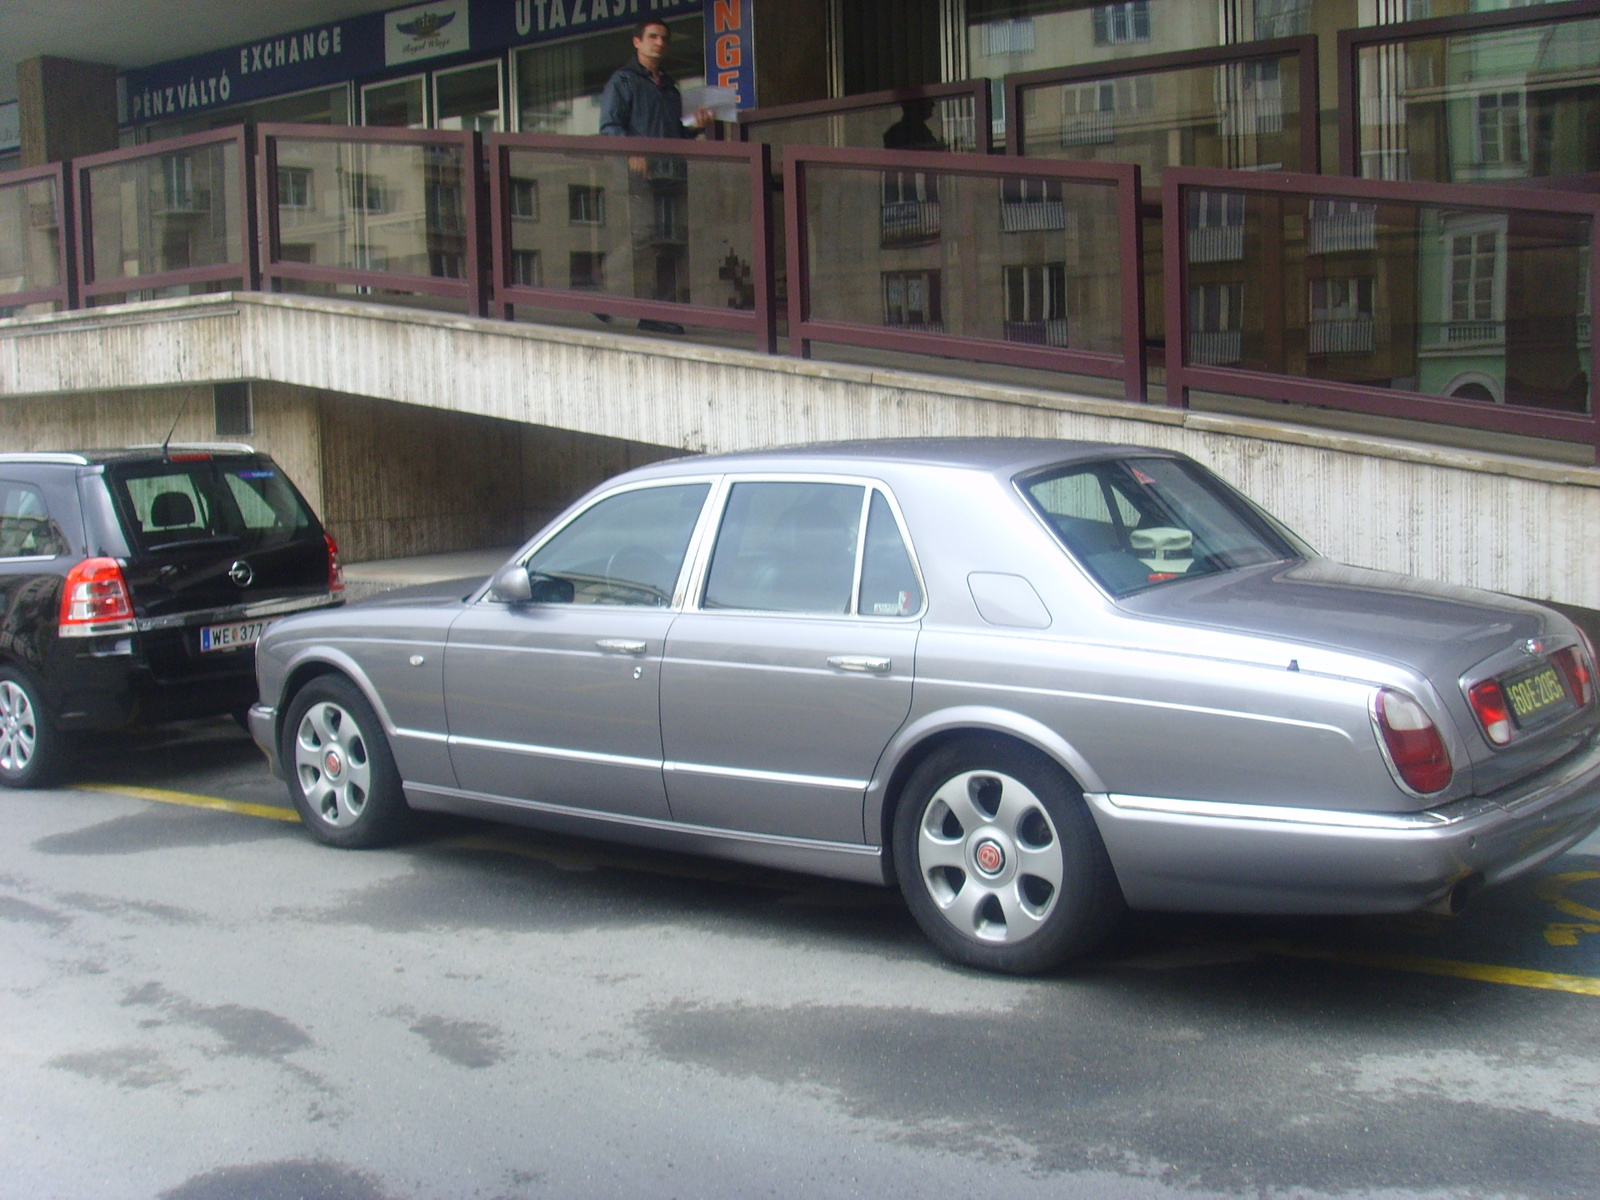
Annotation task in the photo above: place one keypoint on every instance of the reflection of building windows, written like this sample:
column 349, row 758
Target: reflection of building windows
column 1115, row 24
column 586, row 205
column 294, row 187
column 586, row 269
column 1282, row 18
column 444, row 208
column 1249, row 99
column 1088, row 111
column 1036, row 304
column 910, row 213
column 1502, row 122
column 368, row 193
column 1216, row 317
column 1585, row 304
column 527, row 269
column 525, row 199
column 670, row 224
column 367, row 257
column 445, row 264
column 1340, row 225
column 178, row 193
column 1474, row 266
column 1011, row 36
column 1214, row 225
column 1341, row 315
column 1030, row 204
column 911, row 300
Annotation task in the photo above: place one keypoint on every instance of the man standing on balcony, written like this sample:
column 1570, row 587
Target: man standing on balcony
column 641, row 100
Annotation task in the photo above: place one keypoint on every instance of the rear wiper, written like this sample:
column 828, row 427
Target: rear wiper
column 185, row 543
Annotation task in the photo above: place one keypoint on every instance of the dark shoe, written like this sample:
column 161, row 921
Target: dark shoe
column 650, row 326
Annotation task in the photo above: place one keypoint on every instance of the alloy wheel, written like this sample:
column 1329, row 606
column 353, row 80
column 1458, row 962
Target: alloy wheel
column 19, row 729
column 331, row 763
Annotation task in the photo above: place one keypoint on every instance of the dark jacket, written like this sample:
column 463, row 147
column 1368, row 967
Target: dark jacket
column 634, row 105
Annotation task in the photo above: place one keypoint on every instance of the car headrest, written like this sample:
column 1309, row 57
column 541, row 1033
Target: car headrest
column 172, row 508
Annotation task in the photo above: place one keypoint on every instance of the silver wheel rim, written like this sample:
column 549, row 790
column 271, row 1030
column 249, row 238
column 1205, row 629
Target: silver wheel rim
column 330, row 760
column 19, row 729
column 990, row 857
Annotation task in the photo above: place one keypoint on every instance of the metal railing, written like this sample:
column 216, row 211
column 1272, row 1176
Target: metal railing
column 951, row 300
column 1435, row 248
column 676, row 231
column 36, row 261
column 170, row 217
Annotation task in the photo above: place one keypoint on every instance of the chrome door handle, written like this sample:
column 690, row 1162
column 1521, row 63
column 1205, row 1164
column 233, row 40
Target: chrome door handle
column 620, row 646
column 860, row 662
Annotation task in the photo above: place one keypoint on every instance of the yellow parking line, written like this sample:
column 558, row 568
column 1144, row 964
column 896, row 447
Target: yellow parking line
column 271, row 812
column 1583, row 985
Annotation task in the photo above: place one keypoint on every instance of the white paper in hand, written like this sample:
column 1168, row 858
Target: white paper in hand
column 722, row 101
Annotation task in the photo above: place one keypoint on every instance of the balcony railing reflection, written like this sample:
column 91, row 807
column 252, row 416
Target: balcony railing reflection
column 909, row 222
column 1052, row 332
column 1347, row 335
column 35, row 249
column 1215, row 347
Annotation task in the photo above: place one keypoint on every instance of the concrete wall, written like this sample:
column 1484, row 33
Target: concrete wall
column 1509, row 524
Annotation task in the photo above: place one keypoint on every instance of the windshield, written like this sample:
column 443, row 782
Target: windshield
column 201, row 502
column 1140, row 522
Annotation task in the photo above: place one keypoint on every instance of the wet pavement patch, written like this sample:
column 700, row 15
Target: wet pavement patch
column 249, row 1032
column 134, row 1067
column 291, row 1179
column 1288, row 1075
column 162, row 828
column 12, row 909
column 472, row 1044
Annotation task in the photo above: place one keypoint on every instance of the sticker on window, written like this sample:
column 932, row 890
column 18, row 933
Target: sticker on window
column 897, row 607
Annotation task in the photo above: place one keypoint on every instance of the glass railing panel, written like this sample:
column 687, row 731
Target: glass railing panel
column 1480, row 106
column 1409, row 296
column 1245, row 114
column 377, row 207
column 934, row 123
column 31, row 242
column 167, row 211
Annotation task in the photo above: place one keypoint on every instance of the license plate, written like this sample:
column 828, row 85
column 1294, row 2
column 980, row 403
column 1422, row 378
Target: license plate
column 231, row 637
column 1534, row 695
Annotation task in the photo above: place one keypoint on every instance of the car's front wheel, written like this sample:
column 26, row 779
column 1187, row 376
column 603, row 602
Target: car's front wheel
column 342, row 777
column 30, row 745
column 999, row 859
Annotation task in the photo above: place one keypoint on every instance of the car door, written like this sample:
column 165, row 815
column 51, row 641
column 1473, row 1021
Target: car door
column 556, row 700
column 782, row 686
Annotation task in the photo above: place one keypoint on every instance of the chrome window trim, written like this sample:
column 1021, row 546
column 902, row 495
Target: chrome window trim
column 535, row 751
column 232, row 612
column 525, row 555
column 30, row 558
column 1220, row 810
column 755, row 776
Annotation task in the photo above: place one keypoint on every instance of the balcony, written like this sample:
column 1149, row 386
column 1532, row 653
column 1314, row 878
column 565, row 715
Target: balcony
column 909, row 223
column 1032, row 216
column 1216, row 243
column 1050, row 332
column 1345, row 335
column 1215, row 348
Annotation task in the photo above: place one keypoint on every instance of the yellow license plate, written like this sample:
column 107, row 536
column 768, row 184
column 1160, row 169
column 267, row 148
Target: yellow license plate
column 1535, row 694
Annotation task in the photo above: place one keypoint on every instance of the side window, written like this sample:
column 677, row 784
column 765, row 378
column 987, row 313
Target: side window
column 26, row 530
column 169, row 504
column 1079, row 508
column 889, row 585
column 625, row 550
column 786, row 547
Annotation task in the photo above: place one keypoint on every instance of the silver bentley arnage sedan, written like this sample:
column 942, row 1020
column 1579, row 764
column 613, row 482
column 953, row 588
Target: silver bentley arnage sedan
column 1029, row 682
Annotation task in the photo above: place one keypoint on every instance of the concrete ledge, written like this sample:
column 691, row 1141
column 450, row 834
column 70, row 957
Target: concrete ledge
column 1491, row 520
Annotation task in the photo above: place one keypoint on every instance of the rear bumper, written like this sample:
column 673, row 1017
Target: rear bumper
column 263, row 722
column 1200, row 856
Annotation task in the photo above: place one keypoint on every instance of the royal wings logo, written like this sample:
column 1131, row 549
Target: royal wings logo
column 426, row 31
column 425, row 26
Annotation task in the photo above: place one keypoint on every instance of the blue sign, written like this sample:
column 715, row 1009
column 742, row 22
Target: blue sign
column 731, row 49
column 334, row 53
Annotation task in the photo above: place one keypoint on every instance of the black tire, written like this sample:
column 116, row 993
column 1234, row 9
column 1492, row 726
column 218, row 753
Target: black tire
column 999, row 859
column 342, row 778
column 30, row 744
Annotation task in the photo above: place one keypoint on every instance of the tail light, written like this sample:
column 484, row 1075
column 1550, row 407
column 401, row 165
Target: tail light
column 94, row 600
column 1415, row 748
column 335, row 571
column 1494, row 714
column 1576, row 665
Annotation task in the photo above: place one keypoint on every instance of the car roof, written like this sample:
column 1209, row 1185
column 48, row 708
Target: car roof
column 150, row 453
column 997, row 456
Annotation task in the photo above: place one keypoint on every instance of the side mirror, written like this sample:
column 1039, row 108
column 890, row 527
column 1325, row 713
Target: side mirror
column 511, row 584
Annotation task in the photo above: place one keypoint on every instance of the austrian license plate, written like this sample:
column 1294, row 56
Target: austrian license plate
column 231, row 637
column 1536, row 695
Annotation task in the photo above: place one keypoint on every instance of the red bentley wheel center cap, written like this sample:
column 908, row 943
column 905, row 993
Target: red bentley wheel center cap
column 332, row 763
column 990, row 858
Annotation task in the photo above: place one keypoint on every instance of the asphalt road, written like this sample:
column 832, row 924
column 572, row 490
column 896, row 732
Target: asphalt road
column 201, row 1003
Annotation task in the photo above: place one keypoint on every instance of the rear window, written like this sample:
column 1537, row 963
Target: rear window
column 191, row 504
column 1139, row 523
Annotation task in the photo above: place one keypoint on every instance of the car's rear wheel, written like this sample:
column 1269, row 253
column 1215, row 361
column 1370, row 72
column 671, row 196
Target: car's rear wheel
column 30, row 745
column 342, row 777
column 999, row 859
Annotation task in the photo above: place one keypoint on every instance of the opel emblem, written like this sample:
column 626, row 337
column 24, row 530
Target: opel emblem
column 989, row 857
column 242, row 574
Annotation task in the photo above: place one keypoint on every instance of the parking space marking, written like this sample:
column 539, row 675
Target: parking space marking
column 1417, row 964
column 162, row 796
